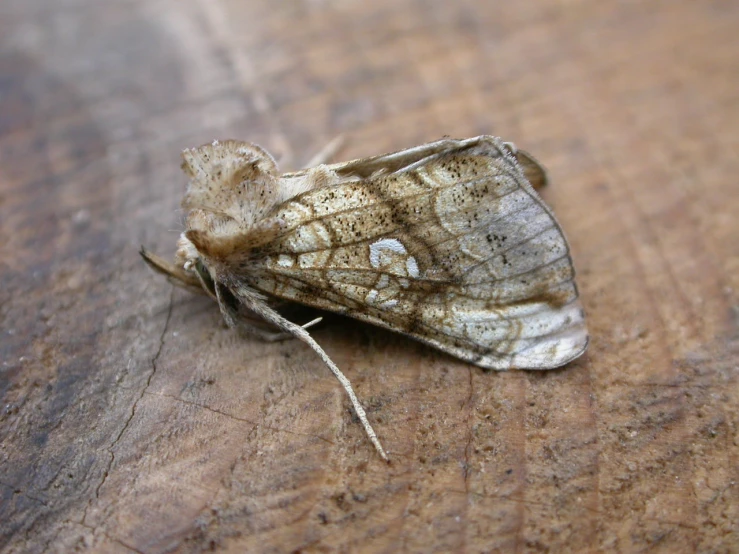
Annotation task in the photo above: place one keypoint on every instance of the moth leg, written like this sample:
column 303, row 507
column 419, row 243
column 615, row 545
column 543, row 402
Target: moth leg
column 258, row 306
column 252, row 328
column 327, row 152
column 209, row 290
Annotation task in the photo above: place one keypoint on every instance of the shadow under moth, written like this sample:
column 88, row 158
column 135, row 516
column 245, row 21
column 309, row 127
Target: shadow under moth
column 447, row 242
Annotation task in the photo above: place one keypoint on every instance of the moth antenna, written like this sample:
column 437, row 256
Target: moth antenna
column 256, row 305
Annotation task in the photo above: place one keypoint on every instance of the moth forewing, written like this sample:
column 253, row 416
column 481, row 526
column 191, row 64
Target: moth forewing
column 447, row 242
column 458, row 251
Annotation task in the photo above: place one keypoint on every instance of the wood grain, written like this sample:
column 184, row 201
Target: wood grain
column 132, row 420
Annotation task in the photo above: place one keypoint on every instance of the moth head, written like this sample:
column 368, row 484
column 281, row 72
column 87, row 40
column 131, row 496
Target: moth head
column 210, row 238
column 187, row 255
column 188, row 259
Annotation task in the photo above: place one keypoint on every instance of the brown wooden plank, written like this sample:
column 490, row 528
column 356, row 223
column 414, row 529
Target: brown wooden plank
column 134, row 421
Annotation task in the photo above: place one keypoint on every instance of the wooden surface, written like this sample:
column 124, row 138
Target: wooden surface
column 132, row 420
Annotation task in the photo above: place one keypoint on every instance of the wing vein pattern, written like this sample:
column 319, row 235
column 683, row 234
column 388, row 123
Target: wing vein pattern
column 459, row 252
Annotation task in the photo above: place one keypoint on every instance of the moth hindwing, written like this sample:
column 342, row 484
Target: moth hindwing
column 447, row 242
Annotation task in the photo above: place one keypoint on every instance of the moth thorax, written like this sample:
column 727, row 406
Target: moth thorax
column 230, row 178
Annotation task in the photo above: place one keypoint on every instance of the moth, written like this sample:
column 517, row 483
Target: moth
column 447, row 242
